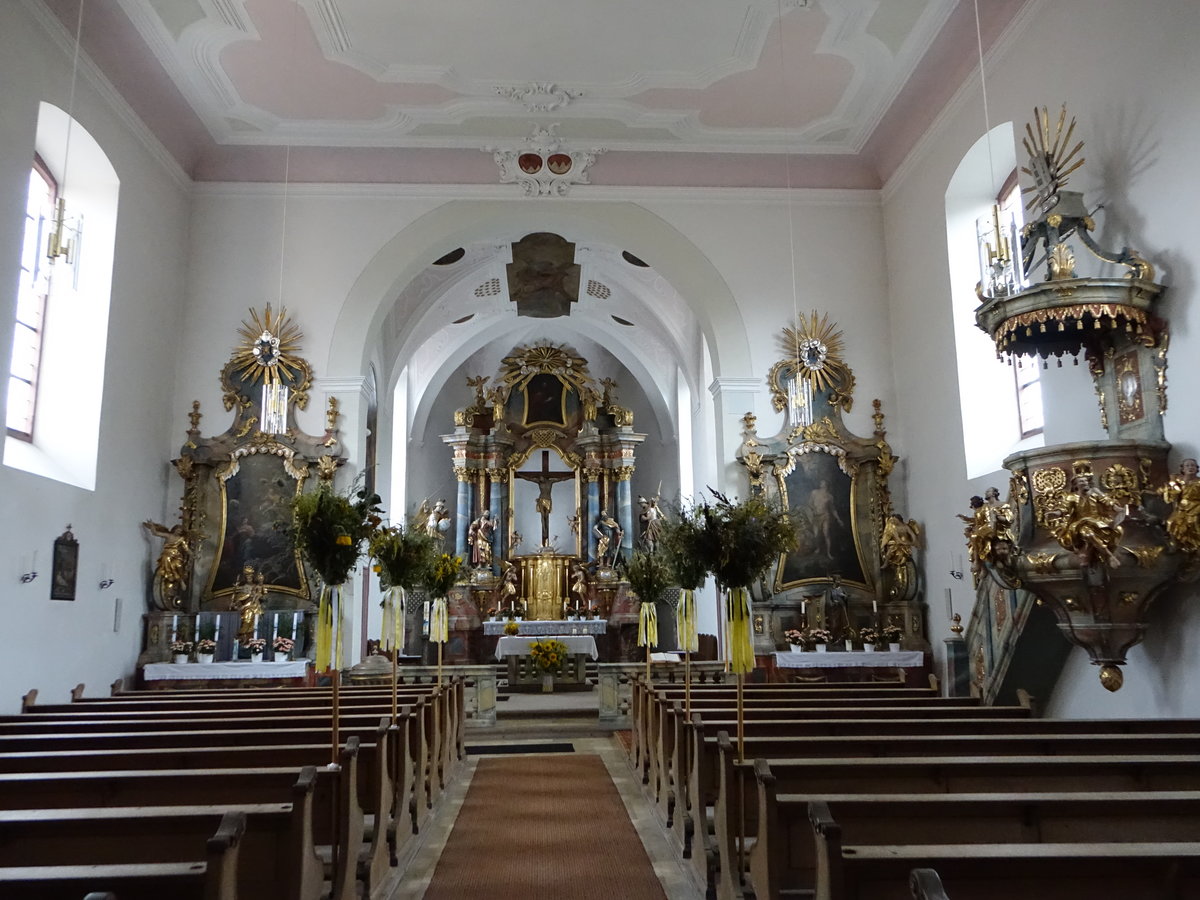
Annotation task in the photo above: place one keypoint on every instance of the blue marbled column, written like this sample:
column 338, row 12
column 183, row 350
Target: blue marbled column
column 462, row 521
column 625, row 515
column 593, row 515
column 497, row 508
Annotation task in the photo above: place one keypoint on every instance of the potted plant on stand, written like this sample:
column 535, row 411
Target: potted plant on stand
column 681, row 537
column 445, row 571
column 180, row 651
column 794, row 639
column 329, row 529
column 892, row 634
column 403, row 560
column 869, row 638
column 256, row 646
column 741, row 540
column 283, row 648
column 206, row 648
column 819, row 638
column 648, row 576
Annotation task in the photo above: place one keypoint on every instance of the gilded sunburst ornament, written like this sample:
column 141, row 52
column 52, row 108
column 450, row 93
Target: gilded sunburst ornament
column 813, row 352
column 268, row 352
column 1049, row 160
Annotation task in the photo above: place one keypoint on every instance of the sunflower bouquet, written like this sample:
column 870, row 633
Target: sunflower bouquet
column 549, row 656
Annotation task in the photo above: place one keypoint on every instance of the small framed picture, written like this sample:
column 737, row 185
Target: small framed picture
column 65, row 570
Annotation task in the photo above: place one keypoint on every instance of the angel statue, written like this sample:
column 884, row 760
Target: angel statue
column 899, row 539
column 1087, row 522
column 171, row 571
column 435, row 520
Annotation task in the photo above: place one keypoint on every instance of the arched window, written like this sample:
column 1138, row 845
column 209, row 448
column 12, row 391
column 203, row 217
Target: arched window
column 31, row 303
column 1000, row 403
column 53, row 408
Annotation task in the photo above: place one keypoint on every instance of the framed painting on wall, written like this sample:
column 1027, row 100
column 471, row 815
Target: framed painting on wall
column 821, row 497
column 64, row 571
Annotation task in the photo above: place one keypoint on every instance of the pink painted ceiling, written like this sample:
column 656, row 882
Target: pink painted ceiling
column 812, row 93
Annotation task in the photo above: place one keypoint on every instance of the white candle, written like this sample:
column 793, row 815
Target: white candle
column 875, row 606
column 949, row 605
column 175, row 628
column 256, row 624
column 295, row 615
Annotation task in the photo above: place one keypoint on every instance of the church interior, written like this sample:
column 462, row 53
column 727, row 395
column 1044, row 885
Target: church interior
column 542, row 280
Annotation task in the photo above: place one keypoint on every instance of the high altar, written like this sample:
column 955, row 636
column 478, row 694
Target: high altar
column 544, row 458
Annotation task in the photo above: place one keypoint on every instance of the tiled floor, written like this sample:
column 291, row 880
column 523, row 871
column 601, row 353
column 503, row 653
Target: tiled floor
column 558, row 717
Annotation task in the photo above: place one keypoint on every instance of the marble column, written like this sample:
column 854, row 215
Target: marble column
column 593, row 514
column 625, row 509
column 497, row 507
column 462, row 519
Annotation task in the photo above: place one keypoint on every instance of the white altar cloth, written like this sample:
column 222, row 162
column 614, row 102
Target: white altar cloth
column 297, row 668
column 852, row 659
column 518, row 645
column 551, row 626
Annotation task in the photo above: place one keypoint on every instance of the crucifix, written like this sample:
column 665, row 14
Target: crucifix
column 545, row 480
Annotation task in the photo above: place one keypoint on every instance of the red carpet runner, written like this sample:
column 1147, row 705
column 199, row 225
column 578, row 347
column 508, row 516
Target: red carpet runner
column 543, row 828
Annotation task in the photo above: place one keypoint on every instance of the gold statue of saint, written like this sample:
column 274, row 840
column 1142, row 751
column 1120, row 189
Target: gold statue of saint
column 1183, row 493
column 898, row 540
column 171, row 572
column 249, row 592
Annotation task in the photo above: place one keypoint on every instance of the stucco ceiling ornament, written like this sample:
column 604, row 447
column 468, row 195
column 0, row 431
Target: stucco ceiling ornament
column 545, row 167
column 539, row 96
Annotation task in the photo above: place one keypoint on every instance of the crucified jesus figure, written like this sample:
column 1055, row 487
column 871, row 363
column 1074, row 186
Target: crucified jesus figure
column 545, row 480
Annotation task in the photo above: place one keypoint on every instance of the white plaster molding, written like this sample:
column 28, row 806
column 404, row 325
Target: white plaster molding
column 539, row 96
column 724, row 386
column 358, row 385
column 544, row 145
column 933, row 135
column 65, row 41
column 798, row 197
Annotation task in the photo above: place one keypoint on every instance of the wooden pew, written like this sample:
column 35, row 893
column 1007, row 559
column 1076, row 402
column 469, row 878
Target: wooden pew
column 788, row 854
column 736, row 815
column 670, row 756
column 211, row 874
column 339, row 815
column 1146, row 871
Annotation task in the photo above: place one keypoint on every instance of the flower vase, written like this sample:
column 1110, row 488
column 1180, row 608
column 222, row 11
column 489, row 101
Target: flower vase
column 821, row 648
column 795, row 648
column 205, row 658
column 869, row 648
column 894, row 646
column 256, row 657
column 547, row 683
column 180, row 659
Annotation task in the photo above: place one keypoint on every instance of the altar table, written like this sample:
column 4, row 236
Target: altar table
column 170, row 675
column 518, row 645
column 551, row 627
column 851, row 659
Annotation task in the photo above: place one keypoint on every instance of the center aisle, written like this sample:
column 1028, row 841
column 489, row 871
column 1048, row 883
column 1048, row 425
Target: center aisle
column 543, row 826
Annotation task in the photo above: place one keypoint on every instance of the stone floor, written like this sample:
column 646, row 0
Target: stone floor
column 525, row 718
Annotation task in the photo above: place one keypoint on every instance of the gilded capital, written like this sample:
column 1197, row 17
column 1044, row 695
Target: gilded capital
column 462, row 473
column 625, row 473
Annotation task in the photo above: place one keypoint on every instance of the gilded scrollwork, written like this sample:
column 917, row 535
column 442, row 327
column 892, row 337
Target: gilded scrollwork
column 1047, row 484
column 1042, row 563
column 1121, row 482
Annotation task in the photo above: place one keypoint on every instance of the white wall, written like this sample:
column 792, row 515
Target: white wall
column 1130, row 74
column 142, row 425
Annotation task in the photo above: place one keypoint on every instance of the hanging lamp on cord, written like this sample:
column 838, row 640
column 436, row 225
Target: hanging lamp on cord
column 995, row 234
column 58, row 244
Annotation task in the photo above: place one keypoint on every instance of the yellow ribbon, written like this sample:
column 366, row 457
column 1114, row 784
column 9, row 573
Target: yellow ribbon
column 685, row 621
column 392, row 633
column 647, row 626
column 737, row 617
column 439, row 622
column 324, row 629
